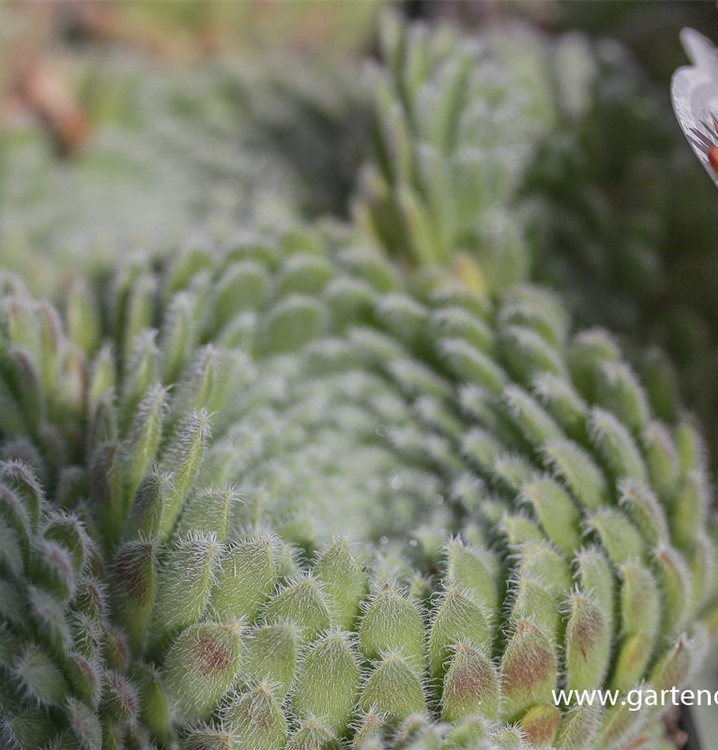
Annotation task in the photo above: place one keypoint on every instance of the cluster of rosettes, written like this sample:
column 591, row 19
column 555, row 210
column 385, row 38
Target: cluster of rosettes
column 164, row 584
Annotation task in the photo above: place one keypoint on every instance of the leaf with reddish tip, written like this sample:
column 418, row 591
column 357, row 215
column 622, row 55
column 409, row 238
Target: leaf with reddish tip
column 587, row 643
column 200, row 667
column 540, row 724
column 471, row 685
column 528, row 670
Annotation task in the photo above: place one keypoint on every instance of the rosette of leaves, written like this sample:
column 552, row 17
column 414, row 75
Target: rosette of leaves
column 454, row 132
column 192, row 450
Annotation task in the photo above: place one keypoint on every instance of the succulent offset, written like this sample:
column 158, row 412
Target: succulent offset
column 454, row 133
column 282, row 494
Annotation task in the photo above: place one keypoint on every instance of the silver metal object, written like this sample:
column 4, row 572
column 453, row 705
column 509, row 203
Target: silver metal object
column 694, row 91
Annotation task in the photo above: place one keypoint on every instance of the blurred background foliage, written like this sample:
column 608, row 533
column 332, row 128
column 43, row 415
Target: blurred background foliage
column 125, row 124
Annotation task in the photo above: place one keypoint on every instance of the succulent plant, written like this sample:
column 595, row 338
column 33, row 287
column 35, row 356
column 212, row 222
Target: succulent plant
column 282, row 494
column 176, row 567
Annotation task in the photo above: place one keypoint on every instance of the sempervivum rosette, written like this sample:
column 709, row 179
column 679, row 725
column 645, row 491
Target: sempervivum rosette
column 193, row 451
